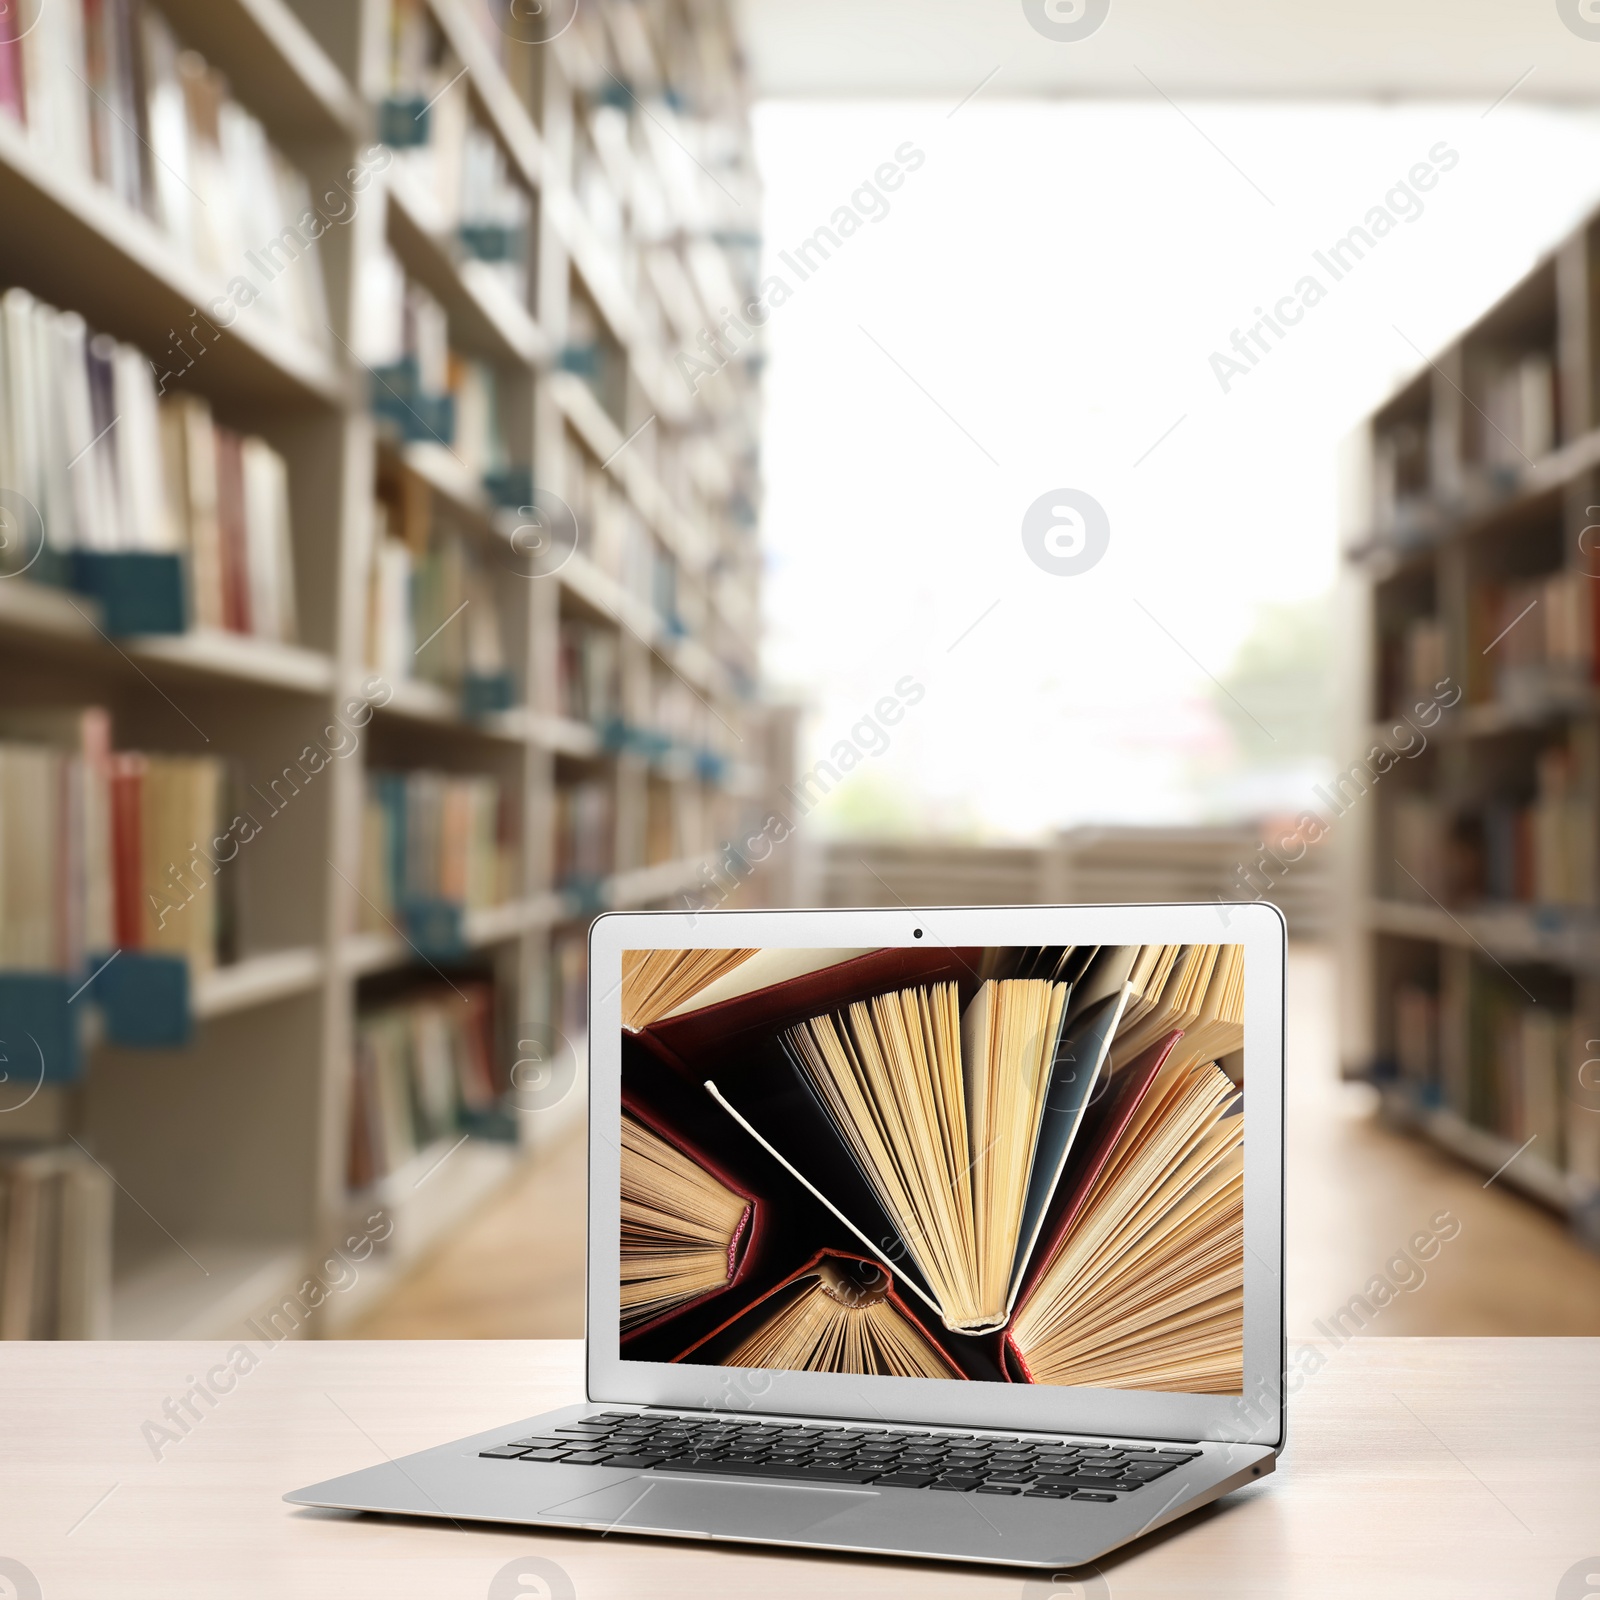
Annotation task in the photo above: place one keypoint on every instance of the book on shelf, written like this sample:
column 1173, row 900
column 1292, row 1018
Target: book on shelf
column 391, row 636
column 1517, row 420
column 1564, row 833
column 165, row 810
column 585, row 829
column 480, row 421
column 107, row 92
column 229, row 500
column 451, row 581
column 430, row 838
column 55, row 1244
column 669, row 815
column 109, row 467
column 423, row 1067
column 103, row 850
column 1414, row 665
column 1419, row 832
column 57, row 895
column 424, row 391
column 432, row 609
column 1028, row 1158
column 1521, row 1078
column 1542, row 851
column 447, row 157
column 402, row 335
column 589, row 673
column 677, row 714
column 1535, row 640
column 569, row 982
column 1400, row 471
column 1416, row 1034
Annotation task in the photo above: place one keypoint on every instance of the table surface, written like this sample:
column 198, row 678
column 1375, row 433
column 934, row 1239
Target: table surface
column 1415, row 1467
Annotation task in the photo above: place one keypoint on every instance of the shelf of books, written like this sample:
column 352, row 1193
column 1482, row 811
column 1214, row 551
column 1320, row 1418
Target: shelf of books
column 378, row 604
column 1476, row 546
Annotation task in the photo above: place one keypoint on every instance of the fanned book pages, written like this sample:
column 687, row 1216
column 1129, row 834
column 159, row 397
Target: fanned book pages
column 1218, row 1028
column 941, row 1112
column 1146, row 1289
column 655, row 982
column 682, row 1229
column 1021, row 1147
column 1176, row 1005
column 838, row 1317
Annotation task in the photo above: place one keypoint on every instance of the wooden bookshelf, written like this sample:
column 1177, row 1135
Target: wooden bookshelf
column 1472, row 956
column 231, row 1151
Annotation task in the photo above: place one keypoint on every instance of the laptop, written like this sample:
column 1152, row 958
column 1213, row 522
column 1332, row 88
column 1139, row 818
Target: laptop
column 936, row 1233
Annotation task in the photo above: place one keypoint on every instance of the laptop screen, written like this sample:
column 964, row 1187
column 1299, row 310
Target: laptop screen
column 998, row 1164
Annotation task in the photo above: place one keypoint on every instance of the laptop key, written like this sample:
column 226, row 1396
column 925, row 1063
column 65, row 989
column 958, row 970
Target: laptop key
column 503, row 1452
column 634, row 1462
column 904, row 1480
column 1047, row 1494
column 586, row 1458
column 997, row 1488
column 767, row 1469
column 544, row 1444
column 1085, row 1496
column 545, row 1455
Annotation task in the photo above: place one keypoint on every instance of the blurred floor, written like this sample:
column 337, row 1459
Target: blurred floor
column 514, row 1271
column 1357, row 1194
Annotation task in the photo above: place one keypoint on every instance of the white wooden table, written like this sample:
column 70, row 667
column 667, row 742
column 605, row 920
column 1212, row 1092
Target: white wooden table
column 1416, row 1468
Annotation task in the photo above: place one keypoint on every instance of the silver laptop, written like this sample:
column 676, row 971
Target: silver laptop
column 936, row 1233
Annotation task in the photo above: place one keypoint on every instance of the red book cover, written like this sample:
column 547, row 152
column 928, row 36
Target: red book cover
column 476, row 1069
column 127, row 793
column 697, row 1035
column 1091, row 1153
column 748, row 1236
column 230, row 521
column 890, row 1293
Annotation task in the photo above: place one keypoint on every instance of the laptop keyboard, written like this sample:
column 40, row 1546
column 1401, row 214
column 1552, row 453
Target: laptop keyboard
column 1048, row 1469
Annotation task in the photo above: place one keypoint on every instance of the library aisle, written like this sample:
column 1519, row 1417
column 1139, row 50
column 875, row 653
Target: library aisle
column 1358, row 1194
column 429, row 576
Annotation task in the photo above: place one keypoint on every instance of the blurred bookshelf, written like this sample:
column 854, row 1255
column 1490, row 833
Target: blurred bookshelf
column 1091, row 864
column 349, row 488
column 1473, row 950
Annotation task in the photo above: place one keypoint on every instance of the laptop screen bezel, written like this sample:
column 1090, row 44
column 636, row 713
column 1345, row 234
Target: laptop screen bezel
column 1255, row 1417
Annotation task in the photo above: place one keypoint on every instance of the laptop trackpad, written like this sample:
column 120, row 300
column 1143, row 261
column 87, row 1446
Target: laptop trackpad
column 679, row 1505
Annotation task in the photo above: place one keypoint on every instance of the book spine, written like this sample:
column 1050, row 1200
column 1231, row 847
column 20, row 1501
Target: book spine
column 231, row 541
column 126, row 788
